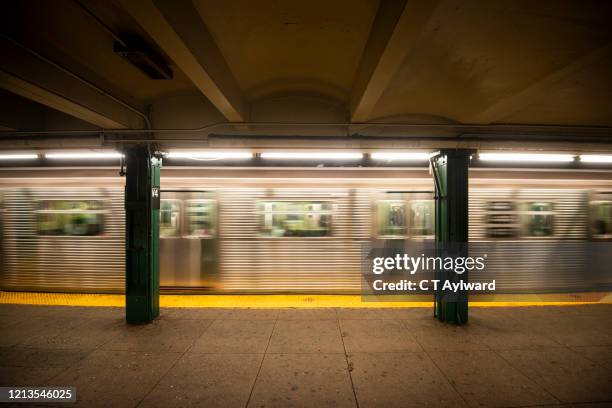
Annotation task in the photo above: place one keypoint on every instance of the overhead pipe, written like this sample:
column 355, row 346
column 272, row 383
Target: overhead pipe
column 301, row 142
column 604, row 130
column 83, row 81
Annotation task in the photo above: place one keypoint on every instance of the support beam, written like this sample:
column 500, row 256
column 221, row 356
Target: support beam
column 513, row 103
column 26, row 74
column 179, row 31
column 141, row 235
column 450, row 172
column 395, row 32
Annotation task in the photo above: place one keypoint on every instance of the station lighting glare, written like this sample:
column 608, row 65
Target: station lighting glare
column 210, row 155
column 595, row 158
column 400, row 156
column 84, row 155
column 526, row 157
column 18, row 156
column 312, row 155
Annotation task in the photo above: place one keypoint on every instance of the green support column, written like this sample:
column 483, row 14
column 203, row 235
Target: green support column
column 450, row 172
column 141, row 235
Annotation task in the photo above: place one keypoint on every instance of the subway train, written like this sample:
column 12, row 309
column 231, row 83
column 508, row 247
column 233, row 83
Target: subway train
column 287, row 230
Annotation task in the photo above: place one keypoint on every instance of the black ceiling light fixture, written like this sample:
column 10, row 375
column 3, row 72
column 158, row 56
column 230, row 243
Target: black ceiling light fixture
column 134, row 49
column 142, row 56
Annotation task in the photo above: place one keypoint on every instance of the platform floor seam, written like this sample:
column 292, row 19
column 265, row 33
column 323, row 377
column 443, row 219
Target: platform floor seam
column 263, row 358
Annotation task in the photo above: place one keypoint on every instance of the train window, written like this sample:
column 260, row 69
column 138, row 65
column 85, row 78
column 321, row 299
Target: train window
column 502, row 219
column 169, row 218
column 295, row 218
column 70, row 217
column 538, row 219
column 392, row 220
column 601, row 218
column 200, row 217
column 423, row 217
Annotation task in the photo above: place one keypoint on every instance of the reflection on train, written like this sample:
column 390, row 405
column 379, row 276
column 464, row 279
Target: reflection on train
column 279, row 238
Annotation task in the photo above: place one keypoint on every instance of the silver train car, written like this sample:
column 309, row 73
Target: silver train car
column 258, row 230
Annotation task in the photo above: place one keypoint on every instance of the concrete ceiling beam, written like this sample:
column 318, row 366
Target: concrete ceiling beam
column 395, row 32
column 26, row 74
column 179, row 31
column 514, row 102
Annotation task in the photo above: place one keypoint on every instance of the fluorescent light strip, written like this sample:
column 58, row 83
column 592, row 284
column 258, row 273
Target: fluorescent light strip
column 83, row 155
column 209, row 155
column 18, row 156
column 595, row 158
column 526, row 157
column 400, row 156
column 312, row 155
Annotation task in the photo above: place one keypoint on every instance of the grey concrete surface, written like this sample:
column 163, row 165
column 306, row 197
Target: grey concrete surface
column 505, row 357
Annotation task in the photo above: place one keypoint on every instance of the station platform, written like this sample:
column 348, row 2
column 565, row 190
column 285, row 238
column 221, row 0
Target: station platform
column 554, row 356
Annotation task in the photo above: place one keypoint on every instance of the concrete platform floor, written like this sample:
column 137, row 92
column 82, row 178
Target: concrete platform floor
column 510, row 357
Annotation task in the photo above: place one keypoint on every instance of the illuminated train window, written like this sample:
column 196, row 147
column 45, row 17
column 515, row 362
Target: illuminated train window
column 70, row 217
column 422, row 213
column 538, row 218
column 601, row 218
column 295, row 218
column 403, row 218
column 392, row 220
column 200, row 217
column 169, row 218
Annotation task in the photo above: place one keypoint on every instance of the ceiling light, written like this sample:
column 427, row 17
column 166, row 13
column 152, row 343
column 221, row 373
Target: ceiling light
column 595, row 158
column 18, row 156
column 140, row 54
column 84, row 155
column 312, row 155
column 210, row 155
column 400, row 156
column 526, row 157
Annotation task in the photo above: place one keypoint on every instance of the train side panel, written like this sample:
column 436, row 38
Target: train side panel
column 55, row 260
column 72, row 238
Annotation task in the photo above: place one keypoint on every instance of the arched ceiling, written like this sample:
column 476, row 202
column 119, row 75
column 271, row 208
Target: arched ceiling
column 466, row 62
column 289, row 46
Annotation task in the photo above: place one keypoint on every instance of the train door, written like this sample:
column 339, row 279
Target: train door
column 600, row 216
column 188, row 239
column 403, row 224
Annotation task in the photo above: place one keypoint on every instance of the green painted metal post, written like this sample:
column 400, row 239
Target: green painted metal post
column 141, row 235
column 450, row 171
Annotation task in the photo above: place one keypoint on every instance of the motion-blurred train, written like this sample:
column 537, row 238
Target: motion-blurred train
column 241, row 230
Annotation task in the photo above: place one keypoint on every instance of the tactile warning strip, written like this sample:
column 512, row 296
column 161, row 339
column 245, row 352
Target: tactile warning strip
column 282, row 301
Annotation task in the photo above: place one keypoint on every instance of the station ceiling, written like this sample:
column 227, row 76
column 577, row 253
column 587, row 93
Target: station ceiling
column 485, row 63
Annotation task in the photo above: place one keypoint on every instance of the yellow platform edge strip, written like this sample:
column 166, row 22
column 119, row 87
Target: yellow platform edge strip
column 276, row 301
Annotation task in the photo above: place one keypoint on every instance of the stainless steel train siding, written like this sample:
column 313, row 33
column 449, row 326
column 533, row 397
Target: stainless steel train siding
column 63, row 263
column 250, row 262
column 539, row 264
